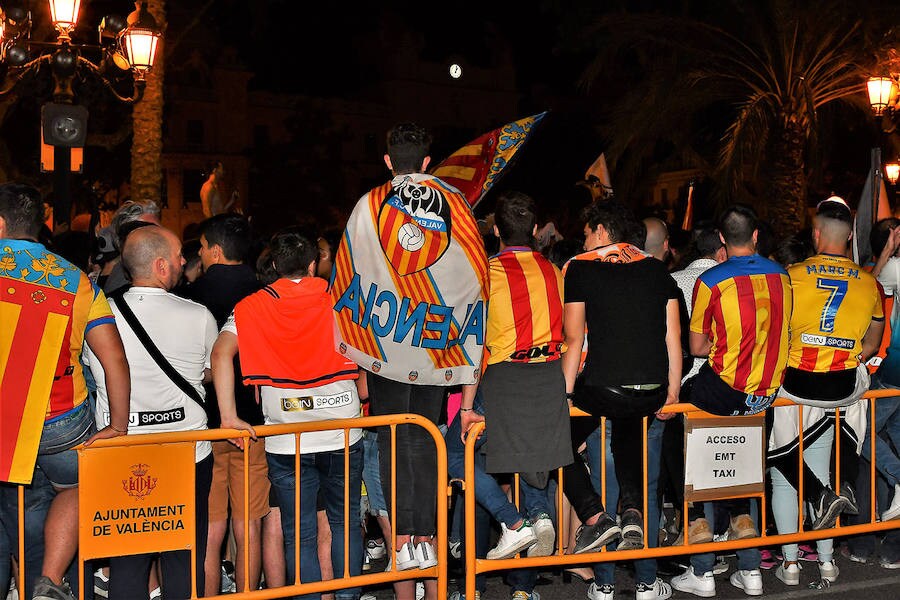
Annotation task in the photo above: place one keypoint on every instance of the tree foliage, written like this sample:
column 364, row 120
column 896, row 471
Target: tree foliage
column 735, row 89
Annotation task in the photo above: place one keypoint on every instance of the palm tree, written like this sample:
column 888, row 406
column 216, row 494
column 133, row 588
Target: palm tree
column 735, row 89
column 146, row 146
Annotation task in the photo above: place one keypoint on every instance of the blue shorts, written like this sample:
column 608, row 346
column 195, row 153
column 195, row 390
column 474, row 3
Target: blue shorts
column 55, row 454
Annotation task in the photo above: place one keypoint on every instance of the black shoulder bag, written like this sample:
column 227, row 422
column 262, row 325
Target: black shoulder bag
column 167, row 368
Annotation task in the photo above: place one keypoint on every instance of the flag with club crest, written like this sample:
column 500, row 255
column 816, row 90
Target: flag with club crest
column 477, row 166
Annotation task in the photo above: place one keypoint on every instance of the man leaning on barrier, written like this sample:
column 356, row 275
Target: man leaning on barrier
column 152, row 320
column 739, row 320
column 286, row 337
column 836, row 325
column 50, row 310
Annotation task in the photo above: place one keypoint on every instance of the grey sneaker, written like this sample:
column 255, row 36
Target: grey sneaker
column 599, row 534
column 45, row 589
column 632, row 525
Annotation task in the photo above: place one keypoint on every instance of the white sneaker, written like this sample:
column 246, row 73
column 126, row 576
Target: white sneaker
column 512, row 541
column 545, row 534
column 425, row 555
column 375, row 549
column 703, row 585
column 420, row 589
column 788, row 573
column 368, row 596
column 658, row 590
column 601, row 592
column 829, row 570
column 893, row 510
column 406, row 557
column 749, row 581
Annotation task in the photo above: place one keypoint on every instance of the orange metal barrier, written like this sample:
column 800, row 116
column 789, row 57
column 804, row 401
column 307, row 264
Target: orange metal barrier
column 341, row 580
column 476, row 566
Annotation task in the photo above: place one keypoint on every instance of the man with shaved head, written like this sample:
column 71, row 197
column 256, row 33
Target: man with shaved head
column 656, row 243
column 836, row 325
column 184, row 333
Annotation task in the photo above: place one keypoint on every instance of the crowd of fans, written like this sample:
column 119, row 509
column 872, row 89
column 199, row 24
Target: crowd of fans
column 227, row 329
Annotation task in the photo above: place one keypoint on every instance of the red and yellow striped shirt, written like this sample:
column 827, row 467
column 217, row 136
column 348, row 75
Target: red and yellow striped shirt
column 524, row 319
column 744, row 306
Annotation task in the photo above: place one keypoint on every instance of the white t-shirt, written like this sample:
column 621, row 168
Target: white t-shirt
column 336, row 400
column 184, row 332
column 889, row 278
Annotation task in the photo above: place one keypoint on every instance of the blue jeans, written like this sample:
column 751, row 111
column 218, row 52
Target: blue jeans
column 887, row 428
column 371, row 474
column 323, row 470
column 492, row 498
column 487, row 491
column 55, row 455
column 645, row 568
column 748, row 559
column 864, row 545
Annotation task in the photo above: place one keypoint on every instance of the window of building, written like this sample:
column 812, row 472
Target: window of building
column 194, row 132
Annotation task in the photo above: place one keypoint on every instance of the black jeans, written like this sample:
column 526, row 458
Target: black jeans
column 129, row 575
column 416, row 458
column 626, row 420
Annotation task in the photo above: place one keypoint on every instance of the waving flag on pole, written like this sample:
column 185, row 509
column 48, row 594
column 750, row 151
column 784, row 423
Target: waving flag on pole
column 476, row 167
column 873, row 206
column 597, row 179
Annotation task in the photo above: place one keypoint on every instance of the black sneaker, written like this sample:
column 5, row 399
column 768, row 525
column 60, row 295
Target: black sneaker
column 849, row 494
column 632, row 525
column 45, row 589
column 599, row 534
column 826, row 509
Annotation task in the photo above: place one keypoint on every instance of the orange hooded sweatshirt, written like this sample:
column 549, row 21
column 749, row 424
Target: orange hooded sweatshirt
column 286, row 336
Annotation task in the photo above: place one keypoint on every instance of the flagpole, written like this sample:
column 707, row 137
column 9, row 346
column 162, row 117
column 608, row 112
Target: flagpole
column 876, row 183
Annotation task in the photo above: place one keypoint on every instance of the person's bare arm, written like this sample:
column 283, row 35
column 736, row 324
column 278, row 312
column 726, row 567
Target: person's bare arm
column 467, row 416
column 106, row 345
column 872, row 340
column 673, row 349
column 890, row 248
column 701, row 344
column 573, row 332
column 222, row 359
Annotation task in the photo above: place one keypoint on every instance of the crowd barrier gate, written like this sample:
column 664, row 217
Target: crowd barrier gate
column 473, row 565
column 340, row 581
column 476, row 566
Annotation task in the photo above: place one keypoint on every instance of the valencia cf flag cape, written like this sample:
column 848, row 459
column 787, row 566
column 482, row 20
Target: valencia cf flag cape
column 476, row 167
column 409, row 284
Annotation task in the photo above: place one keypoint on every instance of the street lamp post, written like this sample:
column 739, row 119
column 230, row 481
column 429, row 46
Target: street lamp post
column 125, row 46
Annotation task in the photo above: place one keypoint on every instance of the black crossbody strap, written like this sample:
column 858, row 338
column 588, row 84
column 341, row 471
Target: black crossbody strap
column 167, row 368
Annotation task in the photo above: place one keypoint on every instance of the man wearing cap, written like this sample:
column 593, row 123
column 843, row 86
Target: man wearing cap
column 836, row 326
